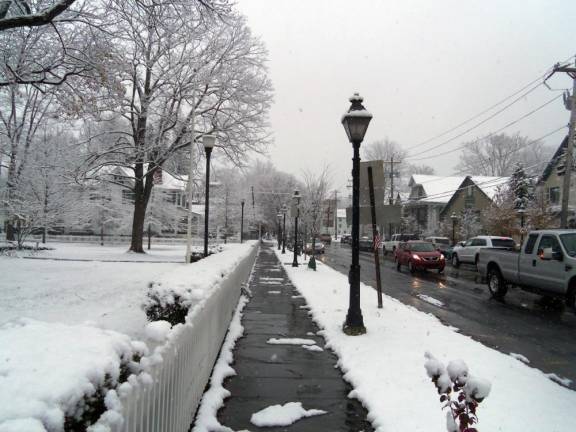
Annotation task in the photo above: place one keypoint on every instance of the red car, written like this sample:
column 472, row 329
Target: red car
column 419, row 255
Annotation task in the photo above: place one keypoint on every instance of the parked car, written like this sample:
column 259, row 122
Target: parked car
column 326, row 238
column 440, row 243
column 317, row 249
column 365, row 244
column 546, row 264
column 419, row 255
column 346, row 238
column 391, row 244
column 469, row 252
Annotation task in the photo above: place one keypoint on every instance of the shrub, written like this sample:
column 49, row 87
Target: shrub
column 460, row 392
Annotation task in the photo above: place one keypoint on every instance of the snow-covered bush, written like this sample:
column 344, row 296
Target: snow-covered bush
column 460, row 392
column 161, row 304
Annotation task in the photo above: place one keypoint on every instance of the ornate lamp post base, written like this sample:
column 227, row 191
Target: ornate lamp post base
column 353, row 330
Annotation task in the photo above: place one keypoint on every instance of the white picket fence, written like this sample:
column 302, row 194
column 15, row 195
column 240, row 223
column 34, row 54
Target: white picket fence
column 169, row 403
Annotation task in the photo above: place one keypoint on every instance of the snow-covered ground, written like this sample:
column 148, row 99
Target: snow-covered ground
column 66, row 326
column 386, row 365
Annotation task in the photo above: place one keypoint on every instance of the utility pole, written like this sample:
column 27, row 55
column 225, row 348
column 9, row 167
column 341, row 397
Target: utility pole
column 336, row 215
column 570, row 104
column 391, row 199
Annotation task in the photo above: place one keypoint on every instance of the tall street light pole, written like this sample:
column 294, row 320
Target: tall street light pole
column 242, row 222
column 279, row 219
column 284, row 211
column 190, row 191
column 355, row 123
column 295, row 205
column 208, row 141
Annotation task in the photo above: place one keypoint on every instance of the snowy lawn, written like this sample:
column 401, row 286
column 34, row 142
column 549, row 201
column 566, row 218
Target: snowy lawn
column 386, row 366
column 91, row 251
column 69, row 330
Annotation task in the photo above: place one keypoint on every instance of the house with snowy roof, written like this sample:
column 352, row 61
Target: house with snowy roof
column 550, row 185
column 110, row 190
column 431, row 195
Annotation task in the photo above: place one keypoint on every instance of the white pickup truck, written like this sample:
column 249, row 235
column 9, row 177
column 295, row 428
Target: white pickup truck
column 546, row 265
column 391, row 244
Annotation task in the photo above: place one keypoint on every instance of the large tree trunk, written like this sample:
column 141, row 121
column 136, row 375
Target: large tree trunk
column 138, row 225
column 142, row 191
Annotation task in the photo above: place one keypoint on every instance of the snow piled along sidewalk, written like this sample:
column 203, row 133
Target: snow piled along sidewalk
column 386, row 366
column 55, row 372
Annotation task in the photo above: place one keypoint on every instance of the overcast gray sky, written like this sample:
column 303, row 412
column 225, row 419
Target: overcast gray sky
column 422, row 67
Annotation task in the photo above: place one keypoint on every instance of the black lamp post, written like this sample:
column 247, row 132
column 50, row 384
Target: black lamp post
column 284, row 210
column 279, row 219
column 454, row 218
column 208, row 141
column 242, row 222
column 295, row 205
column 355, row 123
column 522, row 213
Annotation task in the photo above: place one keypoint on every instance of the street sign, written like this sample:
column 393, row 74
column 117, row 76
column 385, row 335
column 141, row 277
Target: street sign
column 377, row 178
column 385, row 214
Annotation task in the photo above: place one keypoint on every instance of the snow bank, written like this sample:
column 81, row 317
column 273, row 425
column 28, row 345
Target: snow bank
column 47, row 370
column 385, row 365
column 213, row 399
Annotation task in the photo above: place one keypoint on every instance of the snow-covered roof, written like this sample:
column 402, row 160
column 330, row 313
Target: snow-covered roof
column 439, row 189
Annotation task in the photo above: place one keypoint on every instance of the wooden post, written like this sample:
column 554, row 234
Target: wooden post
column 374, row 235
column 149, row 236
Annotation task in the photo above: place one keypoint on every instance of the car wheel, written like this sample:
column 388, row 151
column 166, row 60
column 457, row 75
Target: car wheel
column 440, row 270
column 455, row 261
column 411, row 267
column 398, row 265
column 497, row 284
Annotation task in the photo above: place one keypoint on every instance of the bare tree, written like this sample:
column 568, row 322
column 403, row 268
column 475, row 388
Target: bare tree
column 498, row 154
column 316, row 187
column 24, row 110
column 180, row 71
column 23, row 13
column 388, row 150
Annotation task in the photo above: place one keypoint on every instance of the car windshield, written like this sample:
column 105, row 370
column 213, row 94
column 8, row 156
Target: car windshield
column 422, row 247
column 569, row 243
column 503, row 243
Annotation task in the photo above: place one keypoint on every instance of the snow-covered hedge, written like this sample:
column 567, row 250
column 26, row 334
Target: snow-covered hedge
column 56, row 377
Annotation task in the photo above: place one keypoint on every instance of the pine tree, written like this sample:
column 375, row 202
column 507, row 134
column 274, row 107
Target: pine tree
column 521, row 187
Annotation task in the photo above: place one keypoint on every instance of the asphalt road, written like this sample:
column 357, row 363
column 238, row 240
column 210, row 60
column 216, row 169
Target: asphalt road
column 523, row 324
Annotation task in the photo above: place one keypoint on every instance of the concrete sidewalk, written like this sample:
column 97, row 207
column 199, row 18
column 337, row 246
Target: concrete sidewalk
column 276, row 374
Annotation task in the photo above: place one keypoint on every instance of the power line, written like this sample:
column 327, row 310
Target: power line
column 540, row 77
column 477, row 124
column 512, row 123
column 507, row 154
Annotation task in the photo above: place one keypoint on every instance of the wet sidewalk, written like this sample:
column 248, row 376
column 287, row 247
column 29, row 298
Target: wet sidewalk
column 269, row 374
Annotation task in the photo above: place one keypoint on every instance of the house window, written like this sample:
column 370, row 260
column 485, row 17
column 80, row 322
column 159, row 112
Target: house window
column 171, row 197
column 554, row 195
column 127, row 196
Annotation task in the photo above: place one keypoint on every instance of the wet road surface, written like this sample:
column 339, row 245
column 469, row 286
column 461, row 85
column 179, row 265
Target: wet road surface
column 546, row 335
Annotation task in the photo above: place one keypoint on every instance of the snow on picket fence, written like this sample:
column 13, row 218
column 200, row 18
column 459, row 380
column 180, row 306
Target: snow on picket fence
column 185, row 360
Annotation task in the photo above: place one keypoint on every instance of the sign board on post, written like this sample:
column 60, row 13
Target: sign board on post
column 384, row 214
column 378, row 180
